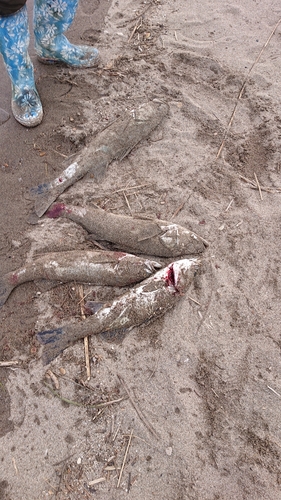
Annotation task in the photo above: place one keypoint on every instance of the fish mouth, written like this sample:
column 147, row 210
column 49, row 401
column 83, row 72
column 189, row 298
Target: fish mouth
column 178, row 274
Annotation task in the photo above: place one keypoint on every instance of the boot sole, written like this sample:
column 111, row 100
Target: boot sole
column 57, row 62
column 29, row 123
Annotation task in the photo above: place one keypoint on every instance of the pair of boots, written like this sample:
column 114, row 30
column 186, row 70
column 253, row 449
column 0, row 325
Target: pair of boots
column 51, row 19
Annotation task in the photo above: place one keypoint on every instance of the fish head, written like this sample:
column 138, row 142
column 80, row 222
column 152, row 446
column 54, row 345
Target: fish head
column 180, row 274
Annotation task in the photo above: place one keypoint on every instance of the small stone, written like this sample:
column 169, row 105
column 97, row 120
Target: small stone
column 169, row 451
column 79, row 460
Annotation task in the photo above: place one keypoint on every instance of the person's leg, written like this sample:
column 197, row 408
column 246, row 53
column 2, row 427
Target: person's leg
column 51, row 19
column 14, row 41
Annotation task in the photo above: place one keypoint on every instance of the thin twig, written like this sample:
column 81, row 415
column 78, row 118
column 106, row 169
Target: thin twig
column 127, row 201
column 136, row 27
column 115, row 435
column 61, row 154
column 141, row 439
column 243, row 87
column 193, row 300
column 248, row 180
column 143, row 12
column 254, row 185
column 178, row 210
column 76, row 403
column 258, row 184
column 275, row 392
column 83, row 298
column 229, row 205
column 130, row 187
column 139, row 412
column 8, row 363
column 86, row 340
column 124, row 460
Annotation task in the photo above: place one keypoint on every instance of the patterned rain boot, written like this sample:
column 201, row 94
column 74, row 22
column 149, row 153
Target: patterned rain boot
column 14, row 41
column 51, row 19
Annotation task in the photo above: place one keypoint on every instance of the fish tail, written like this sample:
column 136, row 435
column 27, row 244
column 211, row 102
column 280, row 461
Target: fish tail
column 5, row 290
column 54, row 342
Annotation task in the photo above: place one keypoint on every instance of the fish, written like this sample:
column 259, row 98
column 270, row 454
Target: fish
column 153, row 237
column 105, row 268
column 146, row 301
column 113, row 143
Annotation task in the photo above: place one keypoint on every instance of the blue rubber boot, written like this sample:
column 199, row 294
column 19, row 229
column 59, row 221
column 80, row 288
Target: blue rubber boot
column 51, row 19
column 14, row 41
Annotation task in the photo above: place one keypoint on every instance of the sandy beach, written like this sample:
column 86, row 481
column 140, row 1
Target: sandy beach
column 186, row 407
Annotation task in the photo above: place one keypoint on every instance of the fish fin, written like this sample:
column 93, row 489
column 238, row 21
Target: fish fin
column 150, row 230
column 46, row 285
column 43, row 202
column 102, row 244
column 114, row 335
column 54, row 342
column 33, row 219
column 5, row 290
column 41, row 189
column 44, row 197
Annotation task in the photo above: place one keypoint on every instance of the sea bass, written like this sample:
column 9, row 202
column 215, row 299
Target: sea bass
column 146, row 301
column 93, row 267
column 148, row 236
column 113, row 143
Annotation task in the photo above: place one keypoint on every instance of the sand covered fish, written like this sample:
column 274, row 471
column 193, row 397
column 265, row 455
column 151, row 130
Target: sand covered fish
column 114, row 142
column 94, row 267
column 146, row 301
column 151, row 237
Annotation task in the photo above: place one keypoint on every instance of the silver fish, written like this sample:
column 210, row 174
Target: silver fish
column 113, row 143
column 151, row 237
column 146, row 301
column 94, row 267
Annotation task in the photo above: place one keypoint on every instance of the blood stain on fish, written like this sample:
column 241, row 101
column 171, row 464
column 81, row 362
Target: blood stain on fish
column 170, row 279
column 14, row 279
column 56, row 211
